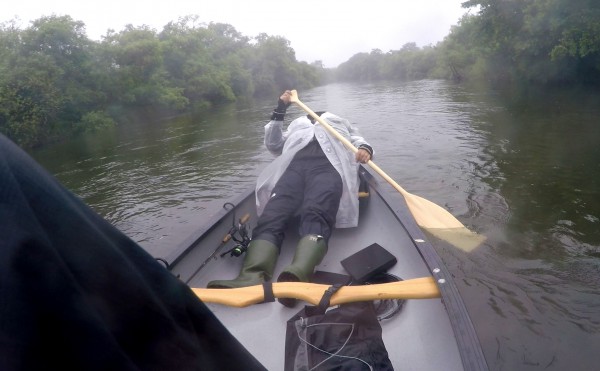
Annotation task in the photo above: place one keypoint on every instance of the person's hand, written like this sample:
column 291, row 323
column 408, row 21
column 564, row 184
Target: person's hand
column 363, row 156
column 283, row 103
column 286, row 97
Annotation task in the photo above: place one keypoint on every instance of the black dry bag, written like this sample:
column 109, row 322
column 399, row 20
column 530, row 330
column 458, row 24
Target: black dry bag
column 347, row 337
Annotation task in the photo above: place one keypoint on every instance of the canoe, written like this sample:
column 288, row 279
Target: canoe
column 425, row 334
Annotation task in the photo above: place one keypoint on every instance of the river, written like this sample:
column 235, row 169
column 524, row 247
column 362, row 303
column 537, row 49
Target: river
column 523, row 172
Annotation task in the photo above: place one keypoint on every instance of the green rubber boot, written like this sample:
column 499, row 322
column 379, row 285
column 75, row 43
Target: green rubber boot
column 310, row 251
column 259, row 264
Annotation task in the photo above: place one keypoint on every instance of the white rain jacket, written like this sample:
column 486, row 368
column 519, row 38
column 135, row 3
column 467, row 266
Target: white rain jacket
column 299, row 133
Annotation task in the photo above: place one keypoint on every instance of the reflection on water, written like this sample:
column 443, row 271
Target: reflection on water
column 525, row 175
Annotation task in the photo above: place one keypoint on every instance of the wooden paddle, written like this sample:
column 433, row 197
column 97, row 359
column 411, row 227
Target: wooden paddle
column 417, row 288
column 429, row 216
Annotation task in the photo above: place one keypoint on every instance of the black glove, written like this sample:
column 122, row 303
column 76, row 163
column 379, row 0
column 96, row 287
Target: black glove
column 279, row 112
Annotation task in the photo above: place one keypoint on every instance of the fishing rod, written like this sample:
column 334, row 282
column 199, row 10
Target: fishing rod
column 242, row 244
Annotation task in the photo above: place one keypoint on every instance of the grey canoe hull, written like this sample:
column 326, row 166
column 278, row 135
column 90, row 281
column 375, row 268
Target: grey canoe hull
column 427, row 334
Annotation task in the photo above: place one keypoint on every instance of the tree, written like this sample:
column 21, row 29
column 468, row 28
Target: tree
column 539, row 41
column 46, row 88
column 274, row 65
column 54, row 81
column 140, row 77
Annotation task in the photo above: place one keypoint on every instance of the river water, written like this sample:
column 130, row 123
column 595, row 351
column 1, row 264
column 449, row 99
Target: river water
column 524, row 172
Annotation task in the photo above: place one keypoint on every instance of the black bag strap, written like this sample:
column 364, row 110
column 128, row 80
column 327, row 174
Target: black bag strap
column 326, row 298
column 268, row 289
column 321, row 308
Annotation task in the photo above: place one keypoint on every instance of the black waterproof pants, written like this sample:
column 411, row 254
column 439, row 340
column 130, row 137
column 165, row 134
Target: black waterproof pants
column 77, row 294
column 310, row 188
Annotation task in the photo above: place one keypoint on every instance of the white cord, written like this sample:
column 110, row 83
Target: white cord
column 331, row 355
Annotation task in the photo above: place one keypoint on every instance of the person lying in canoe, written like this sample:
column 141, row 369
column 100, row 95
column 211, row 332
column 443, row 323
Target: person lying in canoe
column 78, row 294
column 315, row 177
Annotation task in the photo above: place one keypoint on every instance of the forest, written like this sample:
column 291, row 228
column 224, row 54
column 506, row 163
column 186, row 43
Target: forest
column 504, row 43
column 55, row 82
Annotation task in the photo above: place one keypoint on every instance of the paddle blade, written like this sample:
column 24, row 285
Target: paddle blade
column 462, row 238
column 440, row 223
column 430, row 215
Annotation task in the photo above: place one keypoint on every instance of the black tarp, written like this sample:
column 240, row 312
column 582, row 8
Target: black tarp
column 76, row 293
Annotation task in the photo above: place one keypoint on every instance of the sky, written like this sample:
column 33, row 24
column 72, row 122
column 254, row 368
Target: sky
column 331, row 31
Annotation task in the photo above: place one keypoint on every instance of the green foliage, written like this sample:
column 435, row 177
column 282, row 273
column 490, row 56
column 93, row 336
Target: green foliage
column 408, row 63
column 458, row 57
column 55, row 82
column 139, row 75
column 94, row 120
column 273, row 65
column 44, row 82
column 538, row 41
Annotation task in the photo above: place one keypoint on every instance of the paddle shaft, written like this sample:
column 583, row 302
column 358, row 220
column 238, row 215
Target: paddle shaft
column 426, row 213
column 346, row 142
column 417, row 288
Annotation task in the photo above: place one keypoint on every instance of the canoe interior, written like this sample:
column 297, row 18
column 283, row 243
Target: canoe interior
column 420, row 337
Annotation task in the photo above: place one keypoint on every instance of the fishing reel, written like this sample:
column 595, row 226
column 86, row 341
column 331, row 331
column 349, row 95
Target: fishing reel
column 237, row 250
column 240, row 234
column 242, row 242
